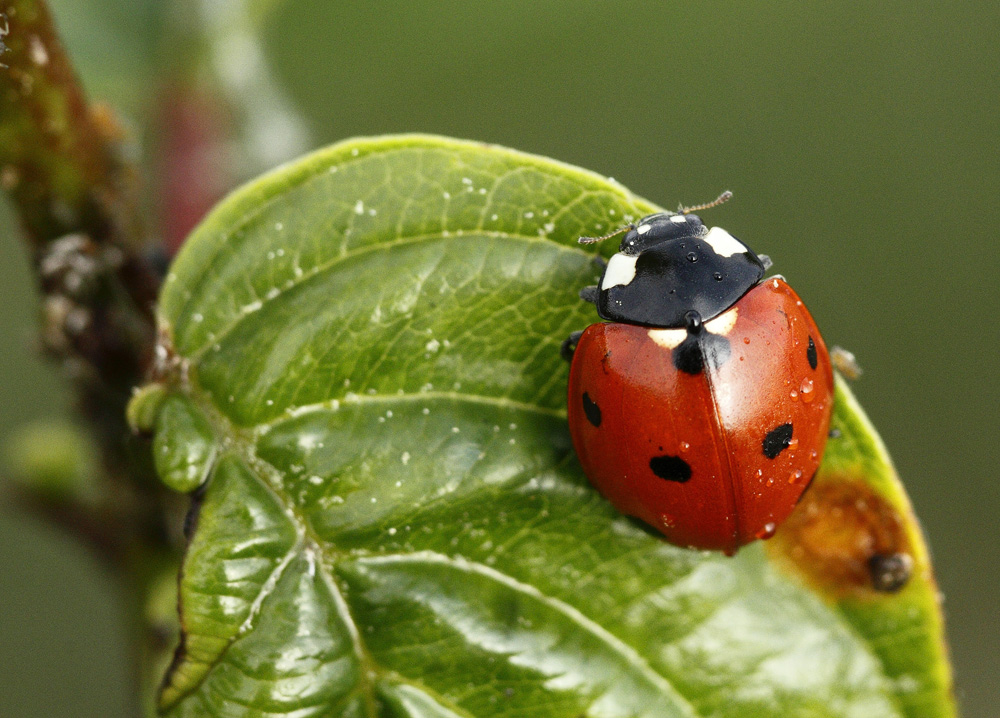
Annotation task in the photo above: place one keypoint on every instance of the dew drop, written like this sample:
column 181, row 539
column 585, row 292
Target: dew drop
column 684, row 446
column 692, row 257
column 767, row 531
column 806, row 388
column 795, row 477
column 717, row 276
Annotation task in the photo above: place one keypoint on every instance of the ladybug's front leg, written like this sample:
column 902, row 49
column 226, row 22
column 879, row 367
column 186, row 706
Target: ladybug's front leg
column 569, row 346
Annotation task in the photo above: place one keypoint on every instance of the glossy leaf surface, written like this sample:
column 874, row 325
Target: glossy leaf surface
column 395, row 523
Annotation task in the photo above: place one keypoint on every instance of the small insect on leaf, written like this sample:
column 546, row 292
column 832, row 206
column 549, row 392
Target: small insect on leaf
column 4, row 32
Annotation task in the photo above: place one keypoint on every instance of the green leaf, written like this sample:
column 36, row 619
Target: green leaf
column 395, row 523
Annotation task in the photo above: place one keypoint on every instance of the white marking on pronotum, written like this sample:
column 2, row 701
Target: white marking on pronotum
column 723, row 243
column 672, row 338
column 643, row 228
column 679, row 219
column 620, row 271
column 667, row 338
column 724, row 323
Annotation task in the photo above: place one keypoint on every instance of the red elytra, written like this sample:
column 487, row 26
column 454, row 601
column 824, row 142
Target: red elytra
column 714, row 459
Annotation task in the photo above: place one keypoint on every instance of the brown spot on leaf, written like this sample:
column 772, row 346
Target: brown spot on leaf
column 840, row 530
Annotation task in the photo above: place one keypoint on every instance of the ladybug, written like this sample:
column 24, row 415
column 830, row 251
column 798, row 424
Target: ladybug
column 701, row 405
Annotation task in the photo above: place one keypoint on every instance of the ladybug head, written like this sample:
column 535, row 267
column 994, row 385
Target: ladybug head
column 670, row 265
column 658, row 228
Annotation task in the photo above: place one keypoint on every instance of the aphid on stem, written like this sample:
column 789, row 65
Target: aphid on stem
column 4, row 32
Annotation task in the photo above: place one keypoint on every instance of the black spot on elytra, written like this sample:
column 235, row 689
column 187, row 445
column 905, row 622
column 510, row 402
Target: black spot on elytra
column 671, row 468
column 777, row 440
column 811, row 354
column 699, row 349
column 890, row 572
column 592, row 410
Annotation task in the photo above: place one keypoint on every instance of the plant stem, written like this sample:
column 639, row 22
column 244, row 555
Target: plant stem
column 60, row 164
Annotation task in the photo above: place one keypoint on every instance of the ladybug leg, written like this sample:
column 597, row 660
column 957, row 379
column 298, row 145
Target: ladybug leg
column 589, row 294
column 569, row 346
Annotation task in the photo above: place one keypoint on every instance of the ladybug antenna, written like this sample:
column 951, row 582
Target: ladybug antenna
column 714, row 203
column 594, row 240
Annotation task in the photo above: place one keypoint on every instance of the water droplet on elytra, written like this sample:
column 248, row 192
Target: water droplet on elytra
column 807, row 390
column 767, row 531
column 692, row 257
column 717, row 276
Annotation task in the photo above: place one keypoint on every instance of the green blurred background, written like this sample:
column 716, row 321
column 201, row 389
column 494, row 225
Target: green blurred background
column 860, row 142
